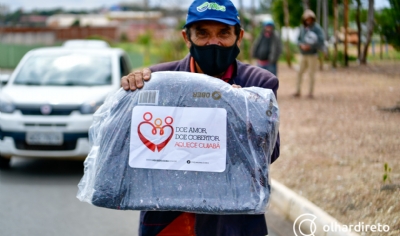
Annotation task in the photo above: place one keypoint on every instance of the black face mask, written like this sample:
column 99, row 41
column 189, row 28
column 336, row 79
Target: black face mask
column 213, row 59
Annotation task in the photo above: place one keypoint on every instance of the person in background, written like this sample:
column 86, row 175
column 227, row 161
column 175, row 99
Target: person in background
column 213, row 35
column 310, row 41
column 268, row 47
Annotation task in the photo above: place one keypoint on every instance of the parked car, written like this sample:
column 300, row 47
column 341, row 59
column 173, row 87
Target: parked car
column 47, row 104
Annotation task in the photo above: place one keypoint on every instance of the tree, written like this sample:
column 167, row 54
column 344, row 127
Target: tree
column 335, row 29
column 265, row 5
column 370, row 30
column 346, row 23
column 76, row 23
column 306, row 4
column 388, row 21
column 296, row 9
column 293, row 6
column 325, row 17
column 14, row 17
column 358, row 22
column 287, row 19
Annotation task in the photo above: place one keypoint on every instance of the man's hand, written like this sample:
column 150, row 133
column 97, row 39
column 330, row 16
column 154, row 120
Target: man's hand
column 135, row 79
column 305, row 47
column 236, row 86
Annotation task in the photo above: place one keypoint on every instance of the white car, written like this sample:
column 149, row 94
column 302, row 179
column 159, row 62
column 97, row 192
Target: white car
column 47, row 105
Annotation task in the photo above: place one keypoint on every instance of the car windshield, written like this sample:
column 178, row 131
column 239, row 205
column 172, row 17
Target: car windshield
column 67, row 69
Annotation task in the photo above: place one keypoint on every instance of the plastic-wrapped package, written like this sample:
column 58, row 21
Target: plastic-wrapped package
column 243, row 187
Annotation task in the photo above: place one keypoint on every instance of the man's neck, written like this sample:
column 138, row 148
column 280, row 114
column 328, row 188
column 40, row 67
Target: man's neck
column 198, row 70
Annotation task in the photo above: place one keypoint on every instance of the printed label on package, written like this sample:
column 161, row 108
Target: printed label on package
column 178, row 138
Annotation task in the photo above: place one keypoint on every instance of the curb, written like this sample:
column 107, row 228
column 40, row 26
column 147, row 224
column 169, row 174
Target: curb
column 292, row 206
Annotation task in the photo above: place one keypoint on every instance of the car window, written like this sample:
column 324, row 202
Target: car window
column 65, row 69
column 124, row 68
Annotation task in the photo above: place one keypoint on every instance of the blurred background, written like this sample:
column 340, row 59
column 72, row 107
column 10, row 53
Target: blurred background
column 149, row 30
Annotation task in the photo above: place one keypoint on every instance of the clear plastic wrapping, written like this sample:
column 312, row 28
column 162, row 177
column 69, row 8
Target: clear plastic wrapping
column 242, row 188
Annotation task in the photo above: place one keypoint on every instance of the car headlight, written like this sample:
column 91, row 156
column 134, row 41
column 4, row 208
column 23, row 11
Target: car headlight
column 6, row 106
column 90, row 107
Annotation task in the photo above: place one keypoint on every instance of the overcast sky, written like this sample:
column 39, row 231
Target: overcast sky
column 90, row 4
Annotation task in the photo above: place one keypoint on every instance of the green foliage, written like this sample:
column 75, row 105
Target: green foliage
column 136, row 54
column 181, row 24
column 391, row 55
column 363, row 15
column 340, row 58
column 123, row 38
column 76, row 23
column 145, row 39
column 388, row 21
column 295, row 12
column 386, row 175
column 172, row 50
column 14, row 17
column 245, row 22
column 245, row 50
column 294, row 49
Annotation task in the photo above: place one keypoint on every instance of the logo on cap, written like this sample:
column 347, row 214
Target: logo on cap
column 210, row 6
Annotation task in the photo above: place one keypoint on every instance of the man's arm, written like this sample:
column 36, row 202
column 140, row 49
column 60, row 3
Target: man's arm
column 299, row 38
column 319, row 45
column 321, row 38
column 300, row 43
column 276, row 48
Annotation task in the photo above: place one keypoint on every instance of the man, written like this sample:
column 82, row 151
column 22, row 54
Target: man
column 310, row 41
column 267, row 48
column 213, row 35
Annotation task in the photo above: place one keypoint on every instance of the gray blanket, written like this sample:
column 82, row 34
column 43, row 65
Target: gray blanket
column 244, row 186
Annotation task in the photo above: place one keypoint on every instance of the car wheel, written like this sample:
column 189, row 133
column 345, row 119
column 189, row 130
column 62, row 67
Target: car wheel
column 4, row 163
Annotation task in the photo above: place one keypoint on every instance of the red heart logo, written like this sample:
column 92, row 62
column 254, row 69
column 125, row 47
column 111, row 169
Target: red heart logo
column 158, row 126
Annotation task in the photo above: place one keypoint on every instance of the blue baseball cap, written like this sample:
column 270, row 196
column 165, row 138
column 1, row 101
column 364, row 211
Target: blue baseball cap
column 218, row 10
column 268, row 22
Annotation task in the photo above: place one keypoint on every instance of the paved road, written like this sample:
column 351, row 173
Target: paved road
column 37, row 198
